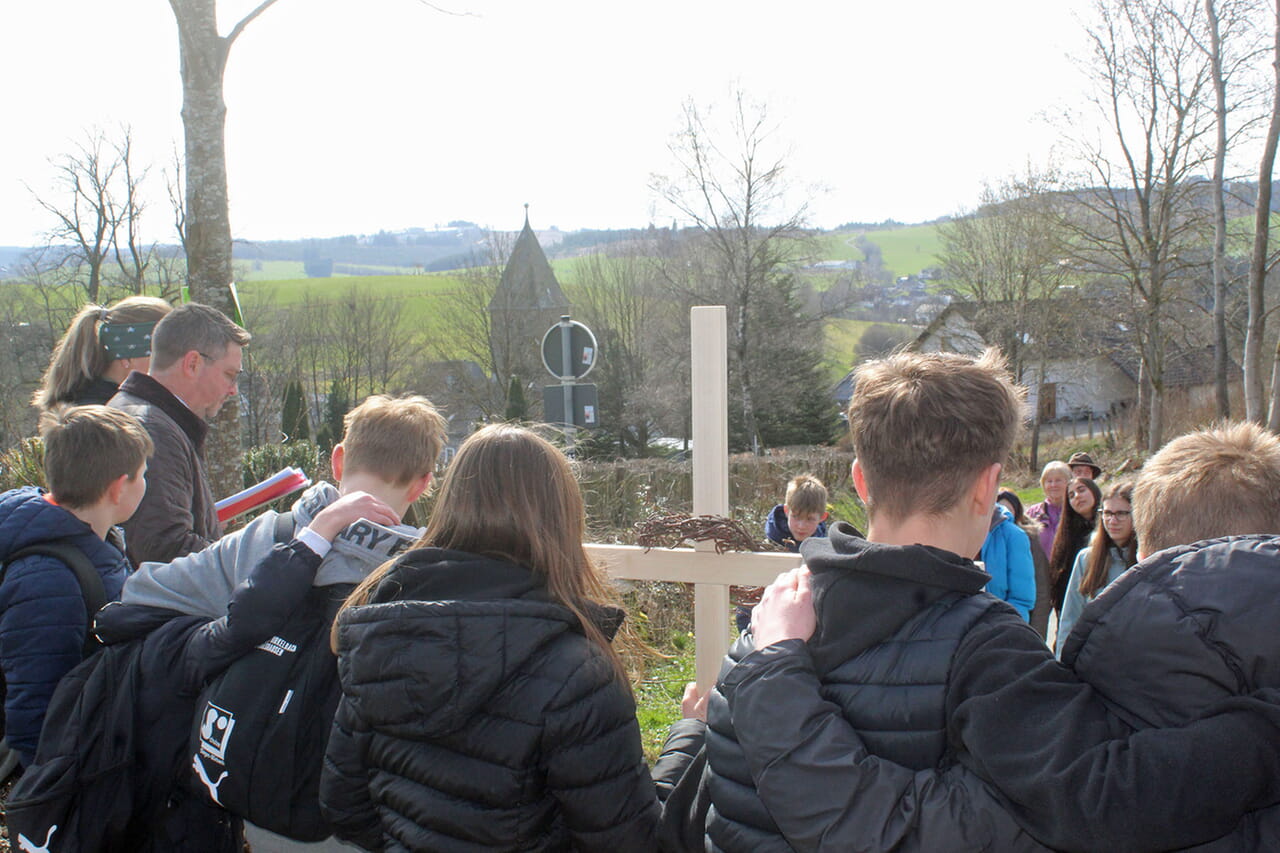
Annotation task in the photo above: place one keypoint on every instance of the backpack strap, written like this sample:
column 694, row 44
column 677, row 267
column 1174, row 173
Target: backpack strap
column 91, row 589
column 284, row 527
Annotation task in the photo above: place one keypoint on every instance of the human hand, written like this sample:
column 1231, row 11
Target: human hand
column 348, row 509
column 694, row 704
column 785, row 611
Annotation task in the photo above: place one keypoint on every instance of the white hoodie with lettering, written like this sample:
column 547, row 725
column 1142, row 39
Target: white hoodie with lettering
column 201, row 584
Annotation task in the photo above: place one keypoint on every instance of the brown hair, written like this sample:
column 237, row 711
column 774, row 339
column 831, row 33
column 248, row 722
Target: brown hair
column 806, row 496
column 1073, row 530
column 195, row 327
column 1220, row 481
column 1099, row 559
column 924, row 424
column 395, row 438
column 86, row 448
column 79, row 358
column 510, row 494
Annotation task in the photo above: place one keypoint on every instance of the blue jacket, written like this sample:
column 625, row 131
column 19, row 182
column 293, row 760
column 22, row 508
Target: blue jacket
column 1006, row 555
column 1075, row 601
column 42, row 611
column 777, row 530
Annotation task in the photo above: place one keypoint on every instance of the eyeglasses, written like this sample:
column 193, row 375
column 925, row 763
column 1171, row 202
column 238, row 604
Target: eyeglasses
column 233, row 376
column 1117, row 513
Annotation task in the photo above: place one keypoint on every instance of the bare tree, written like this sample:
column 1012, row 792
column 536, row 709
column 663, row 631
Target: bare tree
column 1007, row 258
column 623, row 301
column 203, row 53
column 1260, row 261
column 730, row 183
column 1136, row 212
column 85, row 209
column 473, row 337
column 1226, row 32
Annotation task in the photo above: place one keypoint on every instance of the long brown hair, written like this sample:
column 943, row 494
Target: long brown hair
column 1073, row 530
column 79, row 358
column 1099, row 559
column 510, row 494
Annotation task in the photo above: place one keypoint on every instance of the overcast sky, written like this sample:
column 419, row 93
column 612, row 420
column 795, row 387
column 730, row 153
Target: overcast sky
column 350, row 116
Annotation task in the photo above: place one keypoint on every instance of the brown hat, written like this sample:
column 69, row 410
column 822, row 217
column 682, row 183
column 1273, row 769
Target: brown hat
column 1085, row 459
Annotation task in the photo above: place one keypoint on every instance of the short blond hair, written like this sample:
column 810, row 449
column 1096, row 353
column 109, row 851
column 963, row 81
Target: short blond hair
column 394, row 438
column 924, row 424
column 1220, row 481
column 87, row 448
column 806, row 496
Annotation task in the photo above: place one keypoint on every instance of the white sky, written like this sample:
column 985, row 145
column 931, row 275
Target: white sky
column 348, row 116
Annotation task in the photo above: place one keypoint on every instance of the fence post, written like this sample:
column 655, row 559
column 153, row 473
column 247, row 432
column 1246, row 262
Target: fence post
column 709, row 387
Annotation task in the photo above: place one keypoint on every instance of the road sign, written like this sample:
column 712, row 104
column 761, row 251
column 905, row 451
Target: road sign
column 580, row 354
column 586, row 410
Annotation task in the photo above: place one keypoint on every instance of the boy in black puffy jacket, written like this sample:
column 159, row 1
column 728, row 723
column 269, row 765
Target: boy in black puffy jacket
column 882, row 687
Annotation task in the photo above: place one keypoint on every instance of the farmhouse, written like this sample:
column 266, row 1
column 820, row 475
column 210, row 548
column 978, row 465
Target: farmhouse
column 1096, row 378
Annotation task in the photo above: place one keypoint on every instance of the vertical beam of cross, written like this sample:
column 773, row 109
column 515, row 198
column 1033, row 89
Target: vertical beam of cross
column 709, row 389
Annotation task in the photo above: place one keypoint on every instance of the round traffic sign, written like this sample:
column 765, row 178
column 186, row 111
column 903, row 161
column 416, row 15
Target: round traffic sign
column 580, row 354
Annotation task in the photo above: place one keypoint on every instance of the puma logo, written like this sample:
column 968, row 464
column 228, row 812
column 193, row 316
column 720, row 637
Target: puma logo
column 198, row 766
column 28, row 846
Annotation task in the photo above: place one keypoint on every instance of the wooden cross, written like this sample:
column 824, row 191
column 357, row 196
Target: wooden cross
column 710, row 573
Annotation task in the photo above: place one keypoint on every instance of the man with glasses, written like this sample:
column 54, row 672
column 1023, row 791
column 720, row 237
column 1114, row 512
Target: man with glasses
column 195, row 365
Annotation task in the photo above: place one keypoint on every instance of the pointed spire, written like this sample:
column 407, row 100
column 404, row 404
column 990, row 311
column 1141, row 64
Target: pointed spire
column 526, row 214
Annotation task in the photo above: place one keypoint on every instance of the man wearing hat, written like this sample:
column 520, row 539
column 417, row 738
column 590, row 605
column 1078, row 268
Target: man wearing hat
column 1082, row 465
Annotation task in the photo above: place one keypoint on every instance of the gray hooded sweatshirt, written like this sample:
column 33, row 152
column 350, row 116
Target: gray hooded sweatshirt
column 201, row 583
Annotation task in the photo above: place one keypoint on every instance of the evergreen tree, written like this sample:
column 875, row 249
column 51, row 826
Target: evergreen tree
column 335, row 411
column 517, row 403
column 294, row 420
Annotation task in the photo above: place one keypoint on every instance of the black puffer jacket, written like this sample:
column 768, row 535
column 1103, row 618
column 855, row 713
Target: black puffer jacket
column 883, row 660
column 476, row 715
column 1070, row 772
column 1181, row 632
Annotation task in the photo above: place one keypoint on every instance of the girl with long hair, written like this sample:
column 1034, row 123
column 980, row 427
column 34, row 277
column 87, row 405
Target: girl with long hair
column 483, row 703
column 99, row 349
column 1078, row 517
column 1112, row 550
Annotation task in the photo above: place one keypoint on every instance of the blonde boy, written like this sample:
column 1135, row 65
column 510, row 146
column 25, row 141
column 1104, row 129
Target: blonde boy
column 802, row 514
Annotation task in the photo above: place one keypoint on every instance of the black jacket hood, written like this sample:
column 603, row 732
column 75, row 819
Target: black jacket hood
column 864, row 591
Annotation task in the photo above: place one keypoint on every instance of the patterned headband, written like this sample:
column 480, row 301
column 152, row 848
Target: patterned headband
column 126, row 340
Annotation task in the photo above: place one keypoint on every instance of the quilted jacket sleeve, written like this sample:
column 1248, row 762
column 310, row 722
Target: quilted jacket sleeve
column 42, row 628
column 259, row 606
column 595, row 765
column 344, row 783
column 824, row 790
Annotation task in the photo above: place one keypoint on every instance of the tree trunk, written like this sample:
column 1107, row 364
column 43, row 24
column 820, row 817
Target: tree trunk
column 1219, row 218
column 203, row 54
column 1258, row 263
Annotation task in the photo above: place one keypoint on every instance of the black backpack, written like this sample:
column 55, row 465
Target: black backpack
column 78, row 796
column 86, row 791
column 258, row 741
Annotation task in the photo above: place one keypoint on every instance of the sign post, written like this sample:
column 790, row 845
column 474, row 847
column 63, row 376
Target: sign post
column 569, row 352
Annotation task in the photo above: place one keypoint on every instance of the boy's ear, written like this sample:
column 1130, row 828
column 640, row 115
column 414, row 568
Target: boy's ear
column 418, row 486
column 859, row 481
column 985, row 486
column 336, row 460
column 824, row 516
column 115, row 488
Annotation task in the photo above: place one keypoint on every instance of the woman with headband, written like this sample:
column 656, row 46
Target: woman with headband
column 99, row 349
